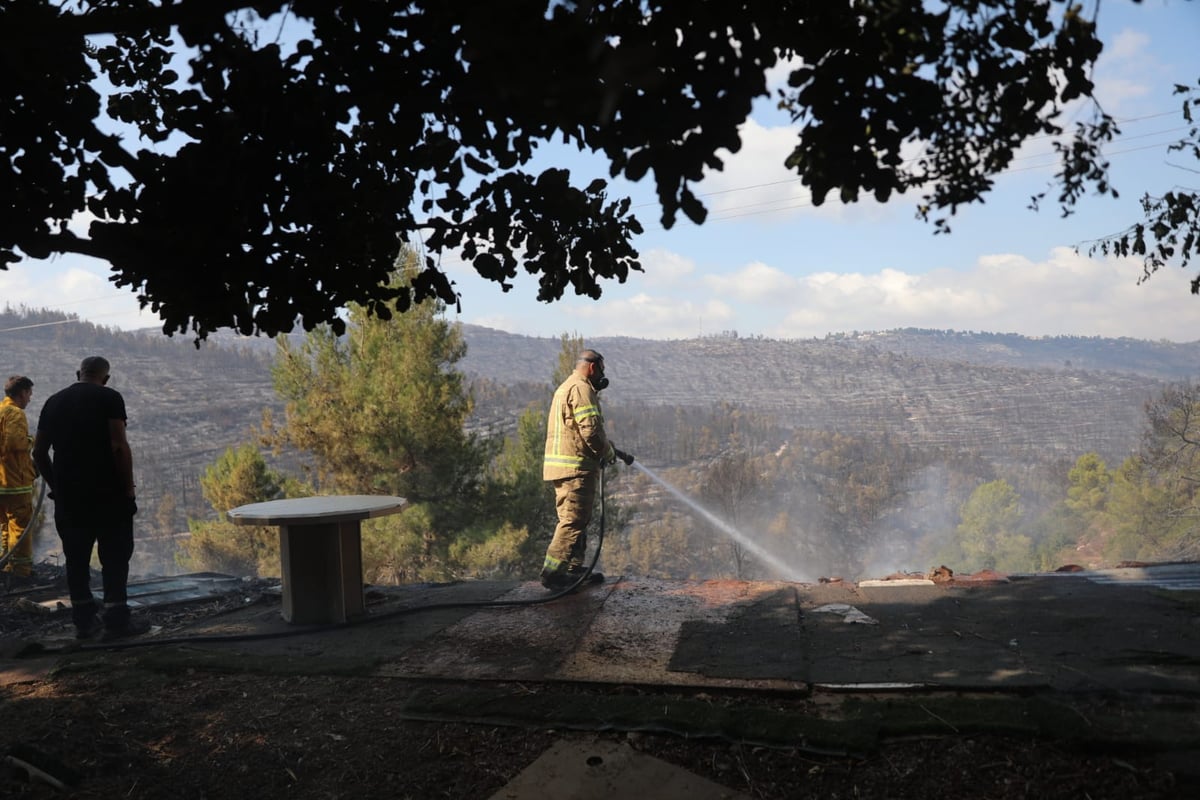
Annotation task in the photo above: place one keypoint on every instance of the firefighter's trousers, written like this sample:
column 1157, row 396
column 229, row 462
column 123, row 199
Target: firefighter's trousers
column 16, row 510
column 574, row 499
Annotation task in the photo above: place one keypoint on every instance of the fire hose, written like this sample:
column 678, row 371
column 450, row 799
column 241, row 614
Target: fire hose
column 481, row 604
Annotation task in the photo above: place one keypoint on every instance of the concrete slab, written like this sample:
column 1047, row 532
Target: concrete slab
column 1177, row 577
column 634, row 640
column 150, row 592
column 511, row 642
column 607, row 771
column 144, row 593
column 1054, row 632
column 1057, row 632
column 622, row 632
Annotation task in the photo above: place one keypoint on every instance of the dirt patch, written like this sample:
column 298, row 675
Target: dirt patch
column 157, row 723
column 126, row 732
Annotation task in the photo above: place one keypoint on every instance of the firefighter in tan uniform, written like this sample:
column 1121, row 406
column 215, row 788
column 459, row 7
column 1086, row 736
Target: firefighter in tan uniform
column 17, row 475
column 577, row 448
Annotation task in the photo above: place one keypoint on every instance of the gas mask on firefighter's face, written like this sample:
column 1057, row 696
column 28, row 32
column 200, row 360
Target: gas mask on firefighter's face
column 597, row 379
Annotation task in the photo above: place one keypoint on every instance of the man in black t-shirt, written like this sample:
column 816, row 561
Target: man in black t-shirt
column 91, row 480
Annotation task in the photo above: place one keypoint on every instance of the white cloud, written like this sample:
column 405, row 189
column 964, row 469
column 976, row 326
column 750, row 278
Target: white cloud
column 777, row 76
column 755, row 185
column 665, row 268
column 80, row 222
column 829, row 302
column 15, row 286
column 1064, row 294
column 81, row 283
column 74, row 285
column 1117, row 91
column 1128, row 44
column 500, row 322
column 1130, row 70
column 754, row 178
column 652, row 317
column 755, row 282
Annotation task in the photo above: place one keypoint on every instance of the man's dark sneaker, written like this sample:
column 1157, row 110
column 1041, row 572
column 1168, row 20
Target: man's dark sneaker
column 89, row 628
column 116, row 615
column 131, row 627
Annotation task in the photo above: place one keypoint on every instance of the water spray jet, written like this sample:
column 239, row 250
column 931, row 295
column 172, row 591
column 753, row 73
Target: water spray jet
column 781, row 568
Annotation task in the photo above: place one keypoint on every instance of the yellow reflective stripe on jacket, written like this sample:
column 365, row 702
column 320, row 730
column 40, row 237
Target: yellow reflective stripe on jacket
column 16, row 489
column 584, row 463
column 571, row 462
column 586, row 412
column 554, row 439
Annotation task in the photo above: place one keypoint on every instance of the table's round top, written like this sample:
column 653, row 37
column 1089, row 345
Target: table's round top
column 316, row 510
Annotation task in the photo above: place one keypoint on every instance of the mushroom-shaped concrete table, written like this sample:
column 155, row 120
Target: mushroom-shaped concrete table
column 320, row 549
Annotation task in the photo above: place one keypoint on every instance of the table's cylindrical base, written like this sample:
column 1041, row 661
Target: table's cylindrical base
column 322, row 572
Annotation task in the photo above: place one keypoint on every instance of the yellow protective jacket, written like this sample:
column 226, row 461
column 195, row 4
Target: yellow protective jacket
column 575, row 440
column 16, row 463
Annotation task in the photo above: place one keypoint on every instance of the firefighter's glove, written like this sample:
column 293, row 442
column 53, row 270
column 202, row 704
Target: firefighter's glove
column 626, row 457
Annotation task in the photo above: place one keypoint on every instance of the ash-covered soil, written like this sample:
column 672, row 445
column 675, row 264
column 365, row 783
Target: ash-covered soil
column 113, row 724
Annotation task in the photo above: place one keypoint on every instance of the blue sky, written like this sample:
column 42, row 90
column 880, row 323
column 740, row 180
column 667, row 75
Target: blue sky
column 767, row 262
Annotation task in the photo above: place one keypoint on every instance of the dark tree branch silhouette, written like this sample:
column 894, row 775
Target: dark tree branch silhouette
column 235, row 177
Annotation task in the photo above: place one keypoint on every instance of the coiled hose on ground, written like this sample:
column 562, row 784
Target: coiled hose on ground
column 481, row 604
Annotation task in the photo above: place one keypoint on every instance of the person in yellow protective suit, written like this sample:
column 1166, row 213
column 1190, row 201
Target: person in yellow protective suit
column 17, row 474
column 577, row 448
